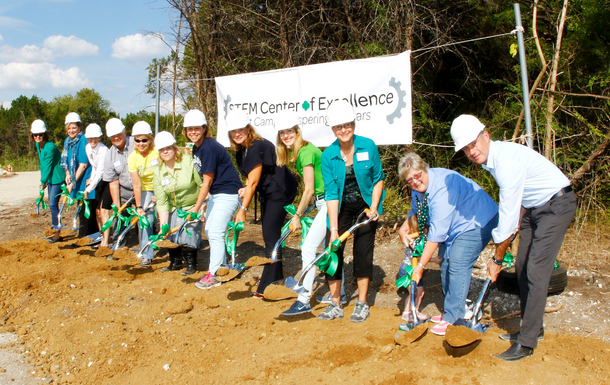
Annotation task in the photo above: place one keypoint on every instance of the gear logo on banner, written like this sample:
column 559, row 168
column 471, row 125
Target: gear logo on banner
column 226, row 109
column 401, row 101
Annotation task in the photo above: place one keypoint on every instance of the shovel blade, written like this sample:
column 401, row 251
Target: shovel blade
column 292, row 284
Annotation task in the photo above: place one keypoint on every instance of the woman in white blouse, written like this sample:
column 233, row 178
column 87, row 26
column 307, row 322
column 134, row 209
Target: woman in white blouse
column 96, row 153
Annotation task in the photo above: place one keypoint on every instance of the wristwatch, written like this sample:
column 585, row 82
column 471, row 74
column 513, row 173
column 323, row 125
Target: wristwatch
column 422, row 266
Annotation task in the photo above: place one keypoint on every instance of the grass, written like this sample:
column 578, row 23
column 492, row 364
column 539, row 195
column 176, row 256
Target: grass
column 30, row 163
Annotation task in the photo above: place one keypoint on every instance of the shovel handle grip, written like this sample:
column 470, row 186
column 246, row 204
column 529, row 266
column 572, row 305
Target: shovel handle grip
column 344, row 236
column 123, row 207
column 413, row 235
column 174, row 230
column 414, row 264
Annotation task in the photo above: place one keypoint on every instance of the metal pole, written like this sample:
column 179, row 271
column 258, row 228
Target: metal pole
column 158, row 99
column 524, row 82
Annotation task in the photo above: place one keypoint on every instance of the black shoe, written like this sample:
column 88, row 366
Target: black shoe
column 515, row 353
column 512, row 337
column 190, row 256
column 175, row 261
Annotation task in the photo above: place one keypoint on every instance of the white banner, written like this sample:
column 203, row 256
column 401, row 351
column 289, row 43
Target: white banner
column 378, row 88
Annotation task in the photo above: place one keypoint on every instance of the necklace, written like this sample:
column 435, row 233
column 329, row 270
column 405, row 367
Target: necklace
column 344, row 156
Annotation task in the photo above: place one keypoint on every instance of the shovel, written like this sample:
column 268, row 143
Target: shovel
column 297, row 285
column 457, row 337
column 231, row 243
column 40, row 201
column 176, row 231
column 97, row 237
column 416, row 329
column 117, row 243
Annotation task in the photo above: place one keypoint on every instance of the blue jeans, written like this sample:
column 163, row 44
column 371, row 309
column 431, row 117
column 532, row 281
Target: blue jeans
column 219, row 212
column 53, row 190
column 145, row 233
column 456, row 267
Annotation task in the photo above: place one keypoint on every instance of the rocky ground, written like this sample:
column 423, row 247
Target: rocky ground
column 76, row 318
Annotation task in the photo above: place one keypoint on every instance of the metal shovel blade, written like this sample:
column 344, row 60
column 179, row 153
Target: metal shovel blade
column 292, row 284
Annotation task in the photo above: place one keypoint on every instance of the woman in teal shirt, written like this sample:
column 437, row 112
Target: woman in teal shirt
column 353, row 180
column 51, row 173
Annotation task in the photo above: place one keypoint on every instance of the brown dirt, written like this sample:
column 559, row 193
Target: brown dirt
column 49, row 232
column 459, row 336
column 86, row 320
column 103, row 251
column 84, row 241
column 257, row 261
column 221, row 272
column 164, row 243
column 228, row 276
column 277, row 292
column 407, row 338
column 34, row 215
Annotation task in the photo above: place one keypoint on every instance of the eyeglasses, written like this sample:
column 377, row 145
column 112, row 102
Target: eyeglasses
column 141, row 140
column 416, row 176
column 287, row 132
column 35, row 135
column 344, row 126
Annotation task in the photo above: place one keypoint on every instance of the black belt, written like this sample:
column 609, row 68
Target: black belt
column 319, row 196
column 561, row 192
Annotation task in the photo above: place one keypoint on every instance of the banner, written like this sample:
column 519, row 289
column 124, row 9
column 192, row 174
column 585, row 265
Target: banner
column 379, row 90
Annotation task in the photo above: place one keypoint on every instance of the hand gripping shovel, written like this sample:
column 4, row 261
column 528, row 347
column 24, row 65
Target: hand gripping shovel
column 92, row 239
column 39, row 202
column 416, row 329
column 234, row 269
column 327, row 260
column 133, row 219
column 457, row 336
column 163, row 240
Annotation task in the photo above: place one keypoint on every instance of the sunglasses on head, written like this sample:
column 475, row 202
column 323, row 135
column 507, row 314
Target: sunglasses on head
column 141, row 140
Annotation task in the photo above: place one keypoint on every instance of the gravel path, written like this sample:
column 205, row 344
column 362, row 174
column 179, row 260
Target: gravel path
column 19, row 188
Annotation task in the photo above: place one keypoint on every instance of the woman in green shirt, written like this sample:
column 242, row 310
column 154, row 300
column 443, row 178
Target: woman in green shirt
column 176, row 183
column 51, row 173
column 307, row 158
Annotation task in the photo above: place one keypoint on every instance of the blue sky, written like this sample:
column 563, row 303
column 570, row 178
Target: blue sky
column 55, row 47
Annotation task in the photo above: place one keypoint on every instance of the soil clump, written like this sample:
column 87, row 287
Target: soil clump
column 458, row 336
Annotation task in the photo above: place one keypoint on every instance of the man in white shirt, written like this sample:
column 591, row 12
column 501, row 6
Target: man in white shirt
column 537, row 200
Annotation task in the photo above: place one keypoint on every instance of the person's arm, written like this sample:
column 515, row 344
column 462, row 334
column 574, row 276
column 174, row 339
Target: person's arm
column 207, row 180
column 429, row 250
column 79, row 173
column 333, row 218
column 97, row 169
column 309, row 180
column 115, row 192
column 137, row 191
column 253, row 179
column 46, row 167
column 377, row 192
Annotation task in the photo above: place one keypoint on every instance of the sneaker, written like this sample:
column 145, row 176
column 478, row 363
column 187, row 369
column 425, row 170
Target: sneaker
column 297, row 308
column 440, row 329
column 332, row 311
column 146, row 262
column 361, row 312
column 208, row 282
column 408, row 316
column 512, row 337
column 328, row 299
column 437, row 318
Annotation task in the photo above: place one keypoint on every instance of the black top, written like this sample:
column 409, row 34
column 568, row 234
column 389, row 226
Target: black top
column 212, row 157
column 351, row 191
column 276, row 182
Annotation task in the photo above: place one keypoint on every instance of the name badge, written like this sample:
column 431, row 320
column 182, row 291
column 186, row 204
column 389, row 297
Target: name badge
column 362, row 156
column 117, row 163
column 164, row 182
column 154, row 162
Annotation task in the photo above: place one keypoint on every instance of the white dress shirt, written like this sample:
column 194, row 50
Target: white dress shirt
column 96, row 158
column 525, row 178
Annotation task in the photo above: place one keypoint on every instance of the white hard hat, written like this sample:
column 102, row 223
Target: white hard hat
column 237, row 119
column 93, row 131
column 38, row 127
column 114, row 126
column 72, row 117
column 164, row 139
column 340, row 112
column 464, row 130
column 285, row 120
column 141, row 128
column 194, row 118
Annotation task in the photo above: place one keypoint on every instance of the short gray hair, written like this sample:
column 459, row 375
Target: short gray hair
column 411, row 161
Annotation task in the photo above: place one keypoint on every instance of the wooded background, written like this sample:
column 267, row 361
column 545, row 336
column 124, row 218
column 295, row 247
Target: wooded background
column 567, row 45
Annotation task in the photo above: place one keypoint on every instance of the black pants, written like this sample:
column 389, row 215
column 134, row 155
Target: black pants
column 272, row 219
column 364, row 241
column 542, row 232
column 88, row 225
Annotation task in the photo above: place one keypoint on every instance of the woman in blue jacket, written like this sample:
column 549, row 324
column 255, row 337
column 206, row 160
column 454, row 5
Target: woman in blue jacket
column 353, row 180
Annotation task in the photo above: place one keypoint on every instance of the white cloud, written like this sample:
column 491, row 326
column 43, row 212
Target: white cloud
column 6, row 105
column 1, row 38
column 11, row 22
column 139, row 47
column 70, row 46
column 54, row 46
column 30, row 76
column 165, row 107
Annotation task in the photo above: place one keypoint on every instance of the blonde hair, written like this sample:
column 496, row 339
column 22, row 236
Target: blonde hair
column 252, row 136
column 281, row 150
column 151, row 142
column 178, row 153
column 78, row 124
column 411, row 161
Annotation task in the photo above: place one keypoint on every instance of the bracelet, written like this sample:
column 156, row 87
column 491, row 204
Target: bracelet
column 297, row 215
column 243, row 208
column 138, row 207
column 334, row 229
column 499, row 263
column 422, row 266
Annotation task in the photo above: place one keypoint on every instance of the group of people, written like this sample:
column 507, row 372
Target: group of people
column 343, row 181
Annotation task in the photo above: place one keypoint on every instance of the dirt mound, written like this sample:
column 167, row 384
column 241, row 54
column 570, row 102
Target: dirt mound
column 164, row 243
column 458, row 336
column 257, row 261
column 412, row 335
column 277, row 292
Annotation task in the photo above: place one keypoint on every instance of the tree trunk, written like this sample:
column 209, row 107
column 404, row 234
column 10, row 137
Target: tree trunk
column 580, row 173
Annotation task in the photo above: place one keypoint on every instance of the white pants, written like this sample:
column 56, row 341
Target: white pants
column 315, row 238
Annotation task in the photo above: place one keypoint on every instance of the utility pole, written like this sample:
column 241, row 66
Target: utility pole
column 158, row 99
column 524, row 83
